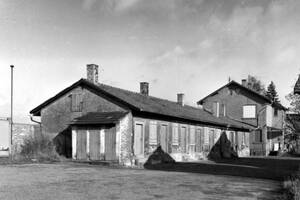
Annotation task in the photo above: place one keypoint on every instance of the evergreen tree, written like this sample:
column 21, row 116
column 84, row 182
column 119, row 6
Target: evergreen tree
column 272, row 93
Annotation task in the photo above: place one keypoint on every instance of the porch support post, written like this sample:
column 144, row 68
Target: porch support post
column 74, row 142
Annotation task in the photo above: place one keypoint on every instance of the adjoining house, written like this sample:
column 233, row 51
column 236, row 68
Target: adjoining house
column 94, row 121
column 236, row 101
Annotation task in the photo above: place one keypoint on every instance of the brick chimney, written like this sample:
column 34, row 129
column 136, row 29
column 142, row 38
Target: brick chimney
column 92, row 73
column 180, row 99
column 144, row 88
column 244, row 82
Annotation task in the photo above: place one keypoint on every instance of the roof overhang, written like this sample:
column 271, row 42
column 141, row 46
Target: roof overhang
column 83, row 83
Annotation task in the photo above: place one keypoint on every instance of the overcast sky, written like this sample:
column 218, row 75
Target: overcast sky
column 188, row 46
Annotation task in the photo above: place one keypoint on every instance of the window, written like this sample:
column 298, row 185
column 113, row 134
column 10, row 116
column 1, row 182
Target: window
column 153, row 133
column 249, row 111
column 76, row 102
column 275, row 112
column 258, row 136
column 175, row 138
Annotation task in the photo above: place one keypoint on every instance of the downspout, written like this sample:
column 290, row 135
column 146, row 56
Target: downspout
column 39, row 123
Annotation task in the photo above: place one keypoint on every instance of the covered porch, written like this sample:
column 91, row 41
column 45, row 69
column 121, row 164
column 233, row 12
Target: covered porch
column 95, row 137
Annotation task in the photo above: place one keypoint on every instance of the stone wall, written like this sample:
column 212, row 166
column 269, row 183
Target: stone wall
column 57, row 116
column 20, row 133
column 126, row 133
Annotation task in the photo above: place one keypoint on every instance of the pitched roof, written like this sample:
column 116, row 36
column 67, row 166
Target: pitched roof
column 149, row 104
column 252, row 92
column 297, row 86
column 99, row 118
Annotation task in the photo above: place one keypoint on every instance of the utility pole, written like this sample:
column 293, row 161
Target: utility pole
column 11, row 109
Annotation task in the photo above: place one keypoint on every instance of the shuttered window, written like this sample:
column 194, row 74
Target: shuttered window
column 175, row 136
column 192, row 136
column 153, row 133
column 76, row 102
column 199, row 139
column 258, row 136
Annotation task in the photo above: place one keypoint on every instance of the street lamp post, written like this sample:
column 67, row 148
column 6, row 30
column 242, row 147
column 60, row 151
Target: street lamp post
column 11, row 109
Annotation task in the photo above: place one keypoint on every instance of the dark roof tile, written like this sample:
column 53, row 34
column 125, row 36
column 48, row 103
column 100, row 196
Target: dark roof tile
column 96, row 118
column 149, row 104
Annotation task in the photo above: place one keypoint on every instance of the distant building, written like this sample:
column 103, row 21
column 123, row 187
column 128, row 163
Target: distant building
column 297, row 86
column 94, row 121
column 238, row 102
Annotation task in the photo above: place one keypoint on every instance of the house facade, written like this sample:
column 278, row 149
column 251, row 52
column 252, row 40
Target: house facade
column 94, row 121
column 236, row 101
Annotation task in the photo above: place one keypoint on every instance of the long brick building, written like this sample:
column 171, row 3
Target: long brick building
column 94, row 121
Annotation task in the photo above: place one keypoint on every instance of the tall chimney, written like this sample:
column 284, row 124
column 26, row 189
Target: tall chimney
column 180, row 99
column 144, row 88
column 244, row 82
column 92, row 73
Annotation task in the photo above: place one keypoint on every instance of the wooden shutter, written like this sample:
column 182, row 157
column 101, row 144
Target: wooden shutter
column 198, row 140
column 175, row 135
column 153, row 133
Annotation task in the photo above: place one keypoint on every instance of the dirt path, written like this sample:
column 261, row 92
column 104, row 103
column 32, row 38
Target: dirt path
column 78, row 181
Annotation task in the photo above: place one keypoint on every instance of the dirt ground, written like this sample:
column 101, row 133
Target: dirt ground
column 81, row 181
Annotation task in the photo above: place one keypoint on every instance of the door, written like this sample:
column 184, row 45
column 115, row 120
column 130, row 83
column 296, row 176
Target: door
column 81, row 144
column 110, row 144
column 139, row 139
column 94, row 144
column 164, row 137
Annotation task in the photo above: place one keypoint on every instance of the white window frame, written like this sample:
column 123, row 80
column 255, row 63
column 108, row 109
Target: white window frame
column 252, row 114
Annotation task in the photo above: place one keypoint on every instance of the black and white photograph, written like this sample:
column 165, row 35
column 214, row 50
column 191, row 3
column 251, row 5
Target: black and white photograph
column 149, row 99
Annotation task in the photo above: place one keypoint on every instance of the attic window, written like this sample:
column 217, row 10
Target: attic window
column 76, row 102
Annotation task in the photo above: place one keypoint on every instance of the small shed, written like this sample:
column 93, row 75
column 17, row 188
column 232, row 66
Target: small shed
column 94, row 136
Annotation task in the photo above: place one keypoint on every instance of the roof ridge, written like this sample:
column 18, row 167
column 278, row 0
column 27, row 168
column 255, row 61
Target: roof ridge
column 149, row 96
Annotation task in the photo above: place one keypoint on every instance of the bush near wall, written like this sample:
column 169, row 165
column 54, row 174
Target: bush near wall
column 38, row 148
column 291, row 187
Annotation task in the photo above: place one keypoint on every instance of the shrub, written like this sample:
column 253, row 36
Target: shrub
column 291, row 187
column 38, row 148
